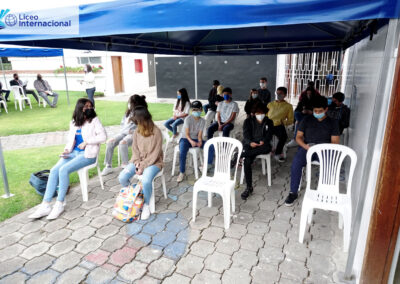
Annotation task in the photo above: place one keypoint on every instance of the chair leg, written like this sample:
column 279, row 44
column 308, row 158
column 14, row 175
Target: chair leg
column 346, row 229
column 263, row 166
column 194, row 205
column 20, row 105
column 152, row 201
column 242, row 175
column 301, row 180
column 15, row 104
column 209, row 199
column 233, row 201
column 119, row 157
column 174, row 162
column 164, row 186
column 83, row 178
column 227, row 210
column 309, row 216
column 269, row 169
column 196, row 168
column 303, row 221
column 100, row 177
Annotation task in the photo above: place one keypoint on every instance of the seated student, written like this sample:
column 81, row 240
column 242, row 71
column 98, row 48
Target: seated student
column 253, row 99
column 44, row 90
column 17, row 82
column 213, row 100
column 281, row 113
column 226, row 114
column 147, row 155
column 263, row 93
column 6, row 92
column 212, row 95
column 314, row 129
column 86, row 133
column 339, row 111
column 257, row 135
column 304, row 108
column 181, row 110
column 192, row 134
column 124, row 138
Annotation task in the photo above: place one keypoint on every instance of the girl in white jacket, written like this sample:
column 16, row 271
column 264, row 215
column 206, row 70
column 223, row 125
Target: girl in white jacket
column 86, row 133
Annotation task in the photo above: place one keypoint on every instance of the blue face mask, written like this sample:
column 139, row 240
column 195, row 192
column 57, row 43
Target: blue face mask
column 329, row 101
column 318, row 115
column 179, row 97
column 227, row 97
column 196, row 113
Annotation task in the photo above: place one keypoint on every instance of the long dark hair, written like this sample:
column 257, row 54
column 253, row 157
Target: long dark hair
column 143, row 119
column 252, row 91
column 88, row 68
column 312, row 90
column 183, row 100
column 78, row 116
column 135, row 101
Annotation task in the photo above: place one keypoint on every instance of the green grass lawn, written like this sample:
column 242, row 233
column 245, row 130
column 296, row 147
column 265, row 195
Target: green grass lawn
column 41, row 119
column 20, row 164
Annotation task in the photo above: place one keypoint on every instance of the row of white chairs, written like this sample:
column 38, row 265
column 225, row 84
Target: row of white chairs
column 20, row 98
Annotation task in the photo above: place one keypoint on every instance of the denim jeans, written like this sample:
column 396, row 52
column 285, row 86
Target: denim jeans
column 184, row 146
column 296, row 171
column 214, row 127
column 172, row 124
column 123, row 142
column 46, row 98
column 206, row 107
column 59, row 174
column 148, row 175
column 90, row 94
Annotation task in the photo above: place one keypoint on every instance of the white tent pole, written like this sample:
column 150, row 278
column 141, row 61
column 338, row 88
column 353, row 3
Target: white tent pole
column 4, row 73
column 65, row 77
column 4, row 175
column 195, row 75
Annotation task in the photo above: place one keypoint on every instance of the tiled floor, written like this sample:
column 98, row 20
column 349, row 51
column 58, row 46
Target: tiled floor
column 86, row 245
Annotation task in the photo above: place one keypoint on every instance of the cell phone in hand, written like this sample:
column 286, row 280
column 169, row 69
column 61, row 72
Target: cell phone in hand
column 64, row 155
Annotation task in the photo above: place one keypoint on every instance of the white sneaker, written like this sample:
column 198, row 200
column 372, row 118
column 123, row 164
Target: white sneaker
column 180, row 177
column 57, row 210
column 44, row 209
column 145, row 212
column 279, row 158
column 107, row 170
column 292, row 143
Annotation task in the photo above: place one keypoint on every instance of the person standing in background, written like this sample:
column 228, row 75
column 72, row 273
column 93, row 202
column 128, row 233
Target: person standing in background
column 89, row 82
column 263, row 93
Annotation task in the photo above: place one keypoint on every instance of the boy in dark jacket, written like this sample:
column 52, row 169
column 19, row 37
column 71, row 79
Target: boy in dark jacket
column 339, row 111
column 257, row 133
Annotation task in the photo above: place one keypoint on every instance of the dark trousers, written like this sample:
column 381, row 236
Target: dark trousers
column 184, row 146
column 296, row 171
column 214, row 127
column 6, row 92
column 280, row 132
column 90, row 94
column 206, row 107
column 298, row 116
column 250, row 154
column 32, row 92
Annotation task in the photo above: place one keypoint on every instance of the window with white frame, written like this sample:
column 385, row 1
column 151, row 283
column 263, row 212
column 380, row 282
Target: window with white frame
column 89, row 60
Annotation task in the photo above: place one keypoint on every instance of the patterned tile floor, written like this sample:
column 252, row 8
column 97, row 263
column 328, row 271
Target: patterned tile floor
column 86, row 245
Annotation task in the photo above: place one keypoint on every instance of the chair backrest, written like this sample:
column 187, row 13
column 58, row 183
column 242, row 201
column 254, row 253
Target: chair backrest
column 331, row 158
column 166, row 140
column 224, row 147
column 18, row 92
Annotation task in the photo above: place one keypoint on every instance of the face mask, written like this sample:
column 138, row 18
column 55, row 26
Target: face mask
column 90, row 113
column 16, row 78
column 39, row 78
column 263, row 85
column 281, row 97
column 179, row 97
column 227, row 97
column 254, row 95
column 260, row 117
column 319, row 115
column 196, row 113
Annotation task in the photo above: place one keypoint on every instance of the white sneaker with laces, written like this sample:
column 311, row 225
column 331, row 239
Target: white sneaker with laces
column 145, row 212
column 57, row 210
column 180, row 177
column 292, row 143
column 107, row 170
column 44, row 209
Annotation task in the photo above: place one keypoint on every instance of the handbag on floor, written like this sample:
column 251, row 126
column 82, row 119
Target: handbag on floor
column 39, row 181
column 129, row 203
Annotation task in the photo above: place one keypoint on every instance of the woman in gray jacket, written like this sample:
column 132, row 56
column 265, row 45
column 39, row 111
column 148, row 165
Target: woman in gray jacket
column 124, row 138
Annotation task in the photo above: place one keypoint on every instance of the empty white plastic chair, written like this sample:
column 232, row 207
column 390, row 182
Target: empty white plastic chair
column 221, row 182
column 195, row 153
column 265, row 159
column 42, row 100
column 4, row 103
column 84, row 178
column 327, row 195
column 20, row 97
column 166, row 139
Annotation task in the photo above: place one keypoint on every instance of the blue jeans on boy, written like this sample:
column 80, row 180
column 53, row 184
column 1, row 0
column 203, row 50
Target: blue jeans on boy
column 296, row 171
column 184, row 146
column 214, row 127
column 59, row 174
column 172, row 124
column 148, row 175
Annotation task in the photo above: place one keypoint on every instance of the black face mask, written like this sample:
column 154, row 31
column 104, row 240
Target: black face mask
column 39, row 78
column 90, row 113
column 16, row 78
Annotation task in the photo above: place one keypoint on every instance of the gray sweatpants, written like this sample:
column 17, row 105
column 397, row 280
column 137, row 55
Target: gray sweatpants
column 123, row 142
column 46, row 98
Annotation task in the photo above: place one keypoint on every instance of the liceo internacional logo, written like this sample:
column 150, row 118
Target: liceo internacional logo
column 51, row 21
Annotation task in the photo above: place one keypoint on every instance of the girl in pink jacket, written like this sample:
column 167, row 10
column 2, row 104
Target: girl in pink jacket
column 86, row 133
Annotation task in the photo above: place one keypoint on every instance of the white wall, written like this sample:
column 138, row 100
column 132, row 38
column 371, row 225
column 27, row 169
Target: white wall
column 370, row 78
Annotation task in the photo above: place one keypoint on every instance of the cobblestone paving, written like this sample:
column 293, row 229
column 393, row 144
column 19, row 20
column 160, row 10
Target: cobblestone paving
column 86, row 245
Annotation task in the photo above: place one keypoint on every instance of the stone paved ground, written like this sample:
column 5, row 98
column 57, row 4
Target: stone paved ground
column 86, row 245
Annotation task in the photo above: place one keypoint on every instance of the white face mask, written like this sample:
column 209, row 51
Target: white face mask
column 263, row 85
column 260, row 117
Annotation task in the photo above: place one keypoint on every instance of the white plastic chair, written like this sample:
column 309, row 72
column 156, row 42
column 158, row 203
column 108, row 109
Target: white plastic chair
column 119, row 154
column 265, row 159
column 84, row 178
column 41, row 99
column 160, row 174
column 221, row 183
column 20, row 97
column 313, row 163
column 327, row 195
column 195, row 152
column 4, row 103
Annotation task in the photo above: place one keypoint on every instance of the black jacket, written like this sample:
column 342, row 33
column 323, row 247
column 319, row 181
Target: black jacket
column 250, row 124
column 213, row 98
column 341, row 114
column 249, row 105
column 306, row 103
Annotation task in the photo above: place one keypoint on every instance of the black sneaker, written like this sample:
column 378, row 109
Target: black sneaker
column 234, row 160
column 247, row 193
column 290, row 199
